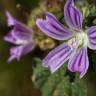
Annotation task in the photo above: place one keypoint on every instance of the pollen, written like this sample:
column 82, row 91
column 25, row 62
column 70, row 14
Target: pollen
column 78, row 40
column 82, row 39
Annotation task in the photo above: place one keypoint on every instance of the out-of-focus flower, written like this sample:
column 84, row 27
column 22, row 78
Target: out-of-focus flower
column 77, row 40
column 21, row 36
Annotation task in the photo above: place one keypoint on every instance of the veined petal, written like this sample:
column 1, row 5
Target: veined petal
column 72, row 15
column 79, row 62
column 20, row 30
column 10, row 38
column 22, row 33
column 53, row 28
column 19, row 51
column 92, row 37
column 57, row 57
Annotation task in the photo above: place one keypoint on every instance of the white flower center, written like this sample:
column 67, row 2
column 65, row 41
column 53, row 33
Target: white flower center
column 80, row 39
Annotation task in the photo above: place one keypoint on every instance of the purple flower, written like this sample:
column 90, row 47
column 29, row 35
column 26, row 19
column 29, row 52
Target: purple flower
column 74, row 49
column 21, row 36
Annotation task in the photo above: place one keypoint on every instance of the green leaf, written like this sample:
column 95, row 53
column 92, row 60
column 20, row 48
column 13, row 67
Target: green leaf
column 56, row 84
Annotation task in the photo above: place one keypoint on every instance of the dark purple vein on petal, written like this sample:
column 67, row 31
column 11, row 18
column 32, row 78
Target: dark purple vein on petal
column 54, row 19
column 56, row 34
column 55, row 52
column 65, row 52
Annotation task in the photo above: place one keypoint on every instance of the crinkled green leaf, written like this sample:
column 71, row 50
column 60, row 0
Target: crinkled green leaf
column 56, row 84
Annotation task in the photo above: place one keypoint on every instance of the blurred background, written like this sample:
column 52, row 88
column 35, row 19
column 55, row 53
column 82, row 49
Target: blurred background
column 16, row 77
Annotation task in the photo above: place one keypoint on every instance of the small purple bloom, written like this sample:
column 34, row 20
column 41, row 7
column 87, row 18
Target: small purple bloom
column 21, row 36
column 74, row 50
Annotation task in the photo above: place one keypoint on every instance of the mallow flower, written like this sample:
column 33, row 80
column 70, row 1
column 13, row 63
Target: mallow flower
column 21, row 36
column 74, row 49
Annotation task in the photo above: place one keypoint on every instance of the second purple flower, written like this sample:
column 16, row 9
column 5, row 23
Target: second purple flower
column 21, row 36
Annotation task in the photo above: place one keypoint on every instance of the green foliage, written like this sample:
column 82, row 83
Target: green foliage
column 56, row 84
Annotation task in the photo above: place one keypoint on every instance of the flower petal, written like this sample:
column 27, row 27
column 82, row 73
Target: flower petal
column 10, row 38
column 18, row 52
column 53, row 28
column 10, row 19
column 79, row 62
column 20, row 30
column 72, row 15
column 56, row 58
column 92, row 37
